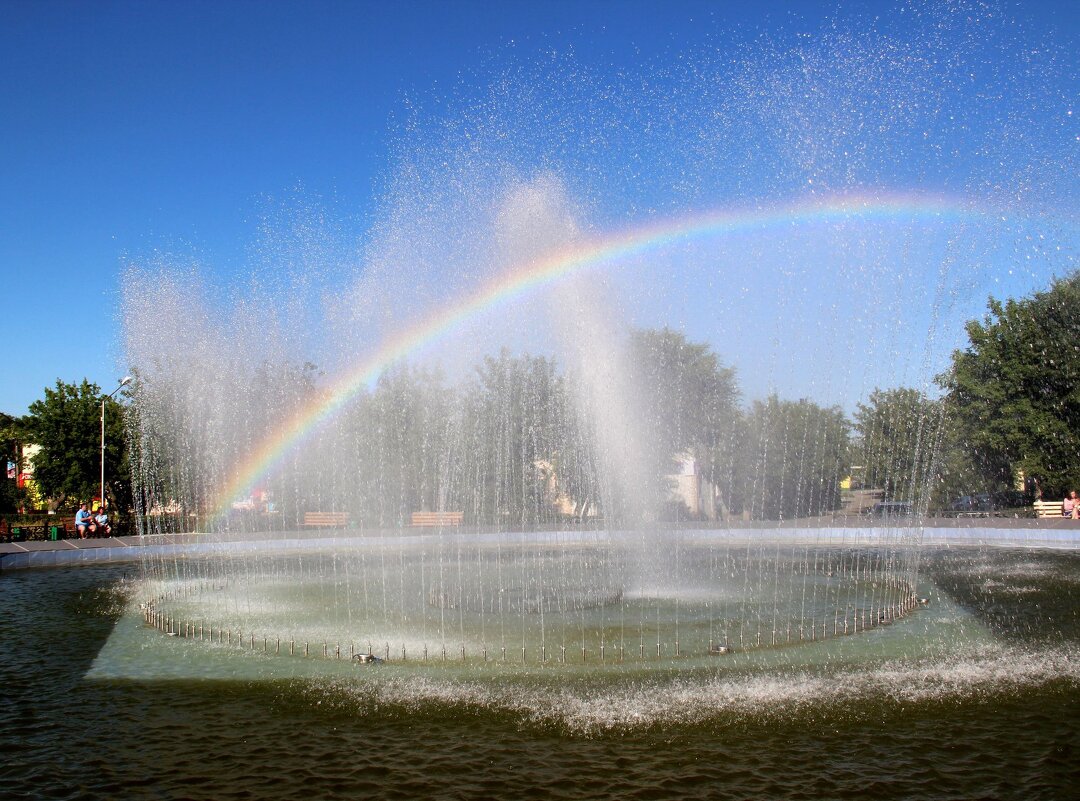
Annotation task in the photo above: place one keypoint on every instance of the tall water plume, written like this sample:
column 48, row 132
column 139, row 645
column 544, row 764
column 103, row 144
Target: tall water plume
column 575, row 279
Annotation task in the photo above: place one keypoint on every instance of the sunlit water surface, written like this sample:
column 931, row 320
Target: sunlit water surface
column 978, row 695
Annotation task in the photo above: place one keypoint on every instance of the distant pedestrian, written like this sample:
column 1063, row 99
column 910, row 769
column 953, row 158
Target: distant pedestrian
column 83, row 521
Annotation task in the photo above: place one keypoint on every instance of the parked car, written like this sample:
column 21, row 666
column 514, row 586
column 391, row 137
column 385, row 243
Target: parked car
column 986, row 502
column 973, row 503
column 1011, row 499
column 892, row 509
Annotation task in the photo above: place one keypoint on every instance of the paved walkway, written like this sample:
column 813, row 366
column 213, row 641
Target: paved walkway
column 68, row 545
column 44, row 553
column 846, row 532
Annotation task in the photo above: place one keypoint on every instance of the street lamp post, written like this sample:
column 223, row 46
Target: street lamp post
column 123, row 382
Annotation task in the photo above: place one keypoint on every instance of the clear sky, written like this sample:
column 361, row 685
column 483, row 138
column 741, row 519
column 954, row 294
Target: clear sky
column 134, row 128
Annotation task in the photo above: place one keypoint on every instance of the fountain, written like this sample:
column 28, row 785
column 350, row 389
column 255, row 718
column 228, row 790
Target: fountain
column 530, row 599
column 819, row 211
column 534, row 579
column 501, row 347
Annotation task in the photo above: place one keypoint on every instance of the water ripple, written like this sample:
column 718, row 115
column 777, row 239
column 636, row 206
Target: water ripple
column 998, row 721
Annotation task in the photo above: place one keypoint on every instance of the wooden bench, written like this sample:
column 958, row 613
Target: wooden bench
column 437, row 518
column 1047, row 508
column 326, row 519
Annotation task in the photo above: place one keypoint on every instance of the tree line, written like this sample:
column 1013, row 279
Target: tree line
column 514, row 443
column 518, row 437
column 65, row 425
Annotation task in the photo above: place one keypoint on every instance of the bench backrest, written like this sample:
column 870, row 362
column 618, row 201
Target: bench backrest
column 437, row 518
column 1047, row 508
column 325, row 518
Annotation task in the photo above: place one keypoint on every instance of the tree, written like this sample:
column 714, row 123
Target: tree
column 401, row 434
column 1015, row 389
column 690, row 397
column 9, row 445
column 193, row 426
column 516, row 421
column 899, row 431
column 688, row 404
column 66, row 424
column 793, row 454
column 955, row 470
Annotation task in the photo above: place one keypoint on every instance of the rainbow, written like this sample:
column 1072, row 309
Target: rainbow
column 590, row 254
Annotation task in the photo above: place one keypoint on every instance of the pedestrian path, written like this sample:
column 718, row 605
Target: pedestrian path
column 841, row 532
column 50, row 553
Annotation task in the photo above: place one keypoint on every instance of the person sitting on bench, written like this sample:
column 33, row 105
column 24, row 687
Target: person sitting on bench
column 83, row 521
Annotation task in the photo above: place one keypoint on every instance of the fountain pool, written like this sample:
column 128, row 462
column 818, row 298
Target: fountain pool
column 539, row 598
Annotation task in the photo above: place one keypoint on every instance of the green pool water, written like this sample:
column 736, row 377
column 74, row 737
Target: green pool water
column 975, row 696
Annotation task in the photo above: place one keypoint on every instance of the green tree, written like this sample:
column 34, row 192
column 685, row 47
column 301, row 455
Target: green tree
column 10, row 438
column 1015, row 390
column 899, row 431
column 66, row 424
column 793, row 455
column 189, row 431
column 955, row 470
column 401, row 435
column 690, row 396
column 516, row 419
column 689, row 404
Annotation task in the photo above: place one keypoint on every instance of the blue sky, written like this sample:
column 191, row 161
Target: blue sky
column 132, row 129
